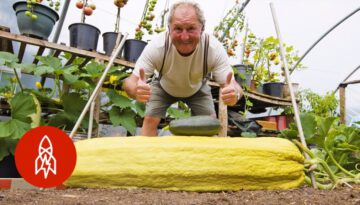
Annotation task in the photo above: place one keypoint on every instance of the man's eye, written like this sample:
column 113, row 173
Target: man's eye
column 178, row 30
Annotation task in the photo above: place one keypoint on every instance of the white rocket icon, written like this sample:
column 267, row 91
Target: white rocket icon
column 45, row 161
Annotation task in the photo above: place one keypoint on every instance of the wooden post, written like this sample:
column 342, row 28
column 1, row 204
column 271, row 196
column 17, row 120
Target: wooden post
column 342, row 103
column 96, row 110
column 223, row 117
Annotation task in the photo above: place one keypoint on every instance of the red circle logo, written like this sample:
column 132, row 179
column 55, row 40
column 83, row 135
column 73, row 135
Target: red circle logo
column 45, row 156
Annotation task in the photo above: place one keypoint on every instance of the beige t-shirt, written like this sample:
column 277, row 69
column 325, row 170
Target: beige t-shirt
column 182, row 75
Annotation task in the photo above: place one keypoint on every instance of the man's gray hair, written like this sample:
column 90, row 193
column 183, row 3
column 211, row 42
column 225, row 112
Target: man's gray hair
column 195, row 5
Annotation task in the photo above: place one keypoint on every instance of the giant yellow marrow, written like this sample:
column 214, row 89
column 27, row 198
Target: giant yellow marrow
column 187, row 163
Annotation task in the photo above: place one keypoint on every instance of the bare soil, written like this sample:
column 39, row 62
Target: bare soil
column 304, row 195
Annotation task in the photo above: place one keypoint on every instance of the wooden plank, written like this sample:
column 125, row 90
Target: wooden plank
column 54, row 46
column 39, row 53
column 95, row 131
column 267, row 125
column 21, row 51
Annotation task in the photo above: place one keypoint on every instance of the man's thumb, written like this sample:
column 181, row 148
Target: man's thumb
column 142, row 74
column 228, row 78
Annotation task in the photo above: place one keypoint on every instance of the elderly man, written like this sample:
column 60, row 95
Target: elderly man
column 182, row 59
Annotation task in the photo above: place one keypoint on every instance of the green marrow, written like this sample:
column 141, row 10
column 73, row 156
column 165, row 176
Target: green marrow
column 195, row 126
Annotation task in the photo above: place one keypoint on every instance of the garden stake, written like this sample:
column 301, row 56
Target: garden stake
column 99, row 84
column 293, row 99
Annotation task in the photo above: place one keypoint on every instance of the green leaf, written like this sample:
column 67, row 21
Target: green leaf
column 40, row 70
column 73, row 105
column 178, row 114
column 67, row 121
column 7, row 57
column 69, row 105
column 325, row 125
column 28, row 68
column 23, row 106
column 288, row 134
column 80, row 84
column 50, row 61
column 308, row 124
column 70, row 79
column 123, row 117
column 15, row 128
column 139, row 108
column 94, row 69
column 70, row 69
column 119, row 100
column 5, row 129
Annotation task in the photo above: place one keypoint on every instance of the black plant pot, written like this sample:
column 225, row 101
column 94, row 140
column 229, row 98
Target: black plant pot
column 273, row 89
column 39, row 28
column 8, row 168
column 245, row 72
column 84, row 36
column 109, row 39
column 133, row 49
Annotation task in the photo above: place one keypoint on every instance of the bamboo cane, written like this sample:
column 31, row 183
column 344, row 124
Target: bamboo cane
column 288, row 79
column 99, row 84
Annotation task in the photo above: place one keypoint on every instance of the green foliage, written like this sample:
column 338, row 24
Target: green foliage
column 67, row 117
column 124, row 111
column 229, row 29
column 25, row 114
column 324, row 106
column 80, row 81
column 182, row 111
column 145, row 23
column 263, row 55
column 336, row 148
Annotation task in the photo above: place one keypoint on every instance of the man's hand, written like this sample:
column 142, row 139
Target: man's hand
column 230, row 94
column 143, row 90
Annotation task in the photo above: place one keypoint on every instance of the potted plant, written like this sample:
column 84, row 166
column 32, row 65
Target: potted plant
column 109, row 38
column 134, row 47
column 262, row 55
column 36, row 20
column 229, row 28
column 82, row 35
column 227, row 32
column 25, row 114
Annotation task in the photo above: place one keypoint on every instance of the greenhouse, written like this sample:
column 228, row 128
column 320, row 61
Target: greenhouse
column 179, row 102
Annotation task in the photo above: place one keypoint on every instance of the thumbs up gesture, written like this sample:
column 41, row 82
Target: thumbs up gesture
column 230, row 91
column 143, row 90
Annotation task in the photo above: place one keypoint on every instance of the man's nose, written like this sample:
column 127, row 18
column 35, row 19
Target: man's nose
column 184, row 35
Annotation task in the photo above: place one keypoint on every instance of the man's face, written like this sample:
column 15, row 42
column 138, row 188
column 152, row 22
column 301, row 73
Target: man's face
column 185, row 30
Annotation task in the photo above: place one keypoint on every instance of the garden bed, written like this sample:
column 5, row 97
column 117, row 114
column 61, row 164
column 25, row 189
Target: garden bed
column 304, row 195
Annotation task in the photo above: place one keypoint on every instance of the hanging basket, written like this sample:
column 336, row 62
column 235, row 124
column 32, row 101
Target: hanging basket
column 39, row 28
